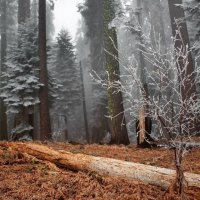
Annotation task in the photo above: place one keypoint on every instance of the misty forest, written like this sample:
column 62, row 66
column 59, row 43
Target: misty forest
column 111, row 111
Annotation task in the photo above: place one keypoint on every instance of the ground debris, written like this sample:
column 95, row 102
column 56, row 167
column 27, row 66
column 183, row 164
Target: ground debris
column 25, row 177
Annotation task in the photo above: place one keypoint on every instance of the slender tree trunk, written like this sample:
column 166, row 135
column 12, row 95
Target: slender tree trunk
column 186, row 76
column 45, row 124
column 118, row 128
column 180, row 182
column 94, row 21
column 3, row 117
column 84, row 107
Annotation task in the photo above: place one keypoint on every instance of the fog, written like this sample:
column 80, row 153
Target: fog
column 66, row 16
column 108, row 64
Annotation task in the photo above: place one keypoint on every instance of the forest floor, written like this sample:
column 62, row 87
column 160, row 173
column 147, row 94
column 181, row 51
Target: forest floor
column 22, row 177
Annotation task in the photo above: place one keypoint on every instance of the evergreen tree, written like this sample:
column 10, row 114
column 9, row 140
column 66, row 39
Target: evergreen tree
column 3, row 118
column 21, row 77
column 63, row 63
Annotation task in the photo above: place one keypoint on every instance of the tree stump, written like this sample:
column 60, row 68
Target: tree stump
column 143, row 129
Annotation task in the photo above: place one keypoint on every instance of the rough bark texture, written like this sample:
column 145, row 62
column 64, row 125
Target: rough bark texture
column 142, row 128
column 45, row 125
column 118, row 128
column 3, row 117
column 186, row 76
column 105, row 166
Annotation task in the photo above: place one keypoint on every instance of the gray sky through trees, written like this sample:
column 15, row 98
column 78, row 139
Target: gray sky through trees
column 66, row 15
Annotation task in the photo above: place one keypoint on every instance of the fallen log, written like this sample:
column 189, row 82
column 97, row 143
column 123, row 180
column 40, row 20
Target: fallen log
column 162, row 177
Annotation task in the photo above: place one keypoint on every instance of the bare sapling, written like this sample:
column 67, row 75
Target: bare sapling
column 171, row 100
column 175, row 107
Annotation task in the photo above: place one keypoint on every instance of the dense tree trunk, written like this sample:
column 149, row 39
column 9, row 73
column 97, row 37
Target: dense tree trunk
column 45, row 124
column 98, row 57
column 3, row 117
column 118, row 128
column 105, row 166
column 94, row 20
column 187, row 76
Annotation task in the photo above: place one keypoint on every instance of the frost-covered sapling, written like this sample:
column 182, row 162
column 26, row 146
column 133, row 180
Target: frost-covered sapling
column 171, row 97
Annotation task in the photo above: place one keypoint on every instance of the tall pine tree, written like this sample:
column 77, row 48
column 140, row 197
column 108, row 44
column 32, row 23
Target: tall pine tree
column 63, row 63
column 21, row 78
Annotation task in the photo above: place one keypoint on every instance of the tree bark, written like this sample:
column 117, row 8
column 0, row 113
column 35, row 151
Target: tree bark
column 3, row 117
column 187, row 75
column 119, row 134
column 142, row 133
column 45, row 124
column 105, row 166
column 94, row 21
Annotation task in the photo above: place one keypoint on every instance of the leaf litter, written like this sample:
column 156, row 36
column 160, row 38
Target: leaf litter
column 25, row 177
